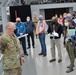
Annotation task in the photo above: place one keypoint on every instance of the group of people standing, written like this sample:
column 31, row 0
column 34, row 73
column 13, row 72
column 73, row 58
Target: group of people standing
column 25, row 28
column 69, row 39
column 11, row 47
column 13, row 55
column 56, row 28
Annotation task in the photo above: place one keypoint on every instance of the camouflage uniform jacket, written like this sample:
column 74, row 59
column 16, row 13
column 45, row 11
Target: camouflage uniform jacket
column 35, row 20
column 11, row 49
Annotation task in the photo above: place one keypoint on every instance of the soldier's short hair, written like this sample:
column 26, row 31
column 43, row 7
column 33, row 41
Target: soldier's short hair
column 8, row 24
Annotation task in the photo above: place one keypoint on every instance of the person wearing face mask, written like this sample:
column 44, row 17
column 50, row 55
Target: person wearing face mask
column 40, row 31
column 56, row 28
column 20, row 31
column 69, row 43
column 64, row 27
column 30, row 26
column 66, row 24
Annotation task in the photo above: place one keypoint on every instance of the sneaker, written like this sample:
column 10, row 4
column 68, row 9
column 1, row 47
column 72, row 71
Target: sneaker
column 70, row 70
column 59, row 60
column 52, row 60
column 40, row 53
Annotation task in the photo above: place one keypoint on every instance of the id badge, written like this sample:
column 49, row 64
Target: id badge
column 18, row 56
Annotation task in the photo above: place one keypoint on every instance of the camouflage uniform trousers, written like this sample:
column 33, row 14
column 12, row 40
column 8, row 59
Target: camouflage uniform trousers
column 16, row 71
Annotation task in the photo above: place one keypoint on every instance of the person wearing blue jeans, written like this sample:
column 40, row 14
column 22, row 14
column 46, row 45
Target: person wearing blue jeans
column 42, row 42
column 40, row 31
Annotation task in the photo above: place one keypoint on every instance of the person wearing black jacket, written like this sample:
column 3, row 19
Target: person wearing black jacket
column 29, row 30
column 56, row 28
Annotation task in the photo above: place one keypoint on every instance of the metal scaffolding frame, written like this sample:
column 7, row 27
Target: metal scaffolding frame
column 3, row 12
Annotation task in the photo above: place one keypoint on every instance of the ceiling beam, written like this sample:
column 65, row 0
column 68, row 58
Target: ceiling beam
column 4, row 2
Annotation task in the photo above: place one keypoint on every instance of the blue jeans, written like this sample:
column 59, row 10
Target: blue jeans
column 42, row 42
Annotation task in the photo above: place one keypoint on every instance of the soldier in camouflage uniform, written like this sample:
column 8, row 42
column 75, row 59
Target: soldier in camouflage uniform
column 35, row 20
column 10, row 46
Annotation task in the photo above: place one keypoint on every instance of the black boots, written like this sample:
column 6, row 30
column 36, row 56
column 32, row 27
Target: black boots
column 52, row 60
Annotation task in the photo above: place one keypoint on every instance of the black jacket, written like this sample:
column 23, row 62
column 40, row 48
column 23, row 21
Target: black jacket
column 29, row 27
column 58, row 29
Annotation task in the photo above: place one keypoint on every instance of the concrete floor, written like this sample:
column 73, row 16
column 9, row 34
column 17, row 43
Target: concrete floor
column 39, row 65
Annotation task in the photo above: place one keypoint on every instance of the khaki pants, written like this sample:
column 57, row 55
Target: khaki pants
column 70, row 50
column 56, row 43
column 16, row 71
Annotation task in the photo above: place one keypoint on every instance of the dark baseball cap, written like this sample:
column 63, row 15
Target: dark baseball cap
column 68, row 18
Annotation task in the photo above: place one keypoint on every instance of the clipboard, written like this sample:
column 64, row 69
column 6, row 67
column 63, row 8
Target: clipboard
column 71, row 31
column 23, row 36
